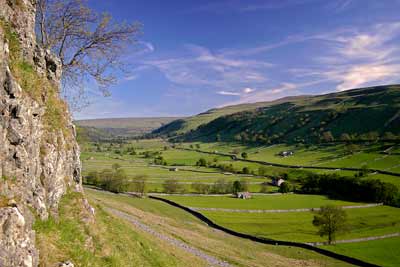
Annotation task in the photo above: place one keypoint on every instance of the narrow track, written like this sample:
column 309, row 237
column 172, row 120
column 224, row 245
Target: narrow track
column 213, row 261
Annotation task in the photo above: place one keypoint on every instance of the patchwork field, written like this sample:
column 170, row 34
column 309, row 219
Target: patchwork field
column 261, row 202
column 178, row 224
column 297, row 226
column 245, row 215
column 381, row 252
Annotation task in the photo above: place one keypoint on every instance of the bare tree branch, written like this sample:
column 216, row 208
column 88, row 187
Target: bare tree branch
column 89, row 45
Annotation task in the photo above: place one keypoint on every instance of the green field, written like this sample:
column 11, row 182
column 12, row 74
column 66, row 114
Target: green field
column 188, row 173
column 183, row 226
column 285, row 201
column 381, row 252
column 156, row 175
column 292, row 226
column 370, row 156
column 315, row 155
column 297, row 226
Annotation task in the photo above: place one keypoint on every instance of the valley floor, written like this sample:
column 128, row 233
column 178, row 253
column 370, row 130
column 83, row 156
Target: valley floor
column 186, row 239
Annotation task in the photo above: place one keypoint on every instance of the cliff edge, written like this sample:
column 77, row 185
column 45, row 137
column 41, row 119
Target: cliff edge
column 39, row 156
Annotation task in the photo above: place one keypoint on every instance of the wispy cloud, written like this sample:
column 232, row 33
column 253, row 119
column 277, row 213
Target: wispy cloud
column 266, row 94
column 362, row 75
column 228, row 93
column 135, row 72
column 200, row 66
column 242, row 92
column 357, row 57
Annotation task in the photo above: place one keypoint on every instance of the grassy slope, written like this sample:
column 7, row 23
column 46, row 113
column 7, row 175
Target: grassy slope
column 107, row 241
column 287, row 201
column 191, row 123
column 124, row 126
column 299, row 118
column 385, row 251
column 298, row 227
column 181, row 225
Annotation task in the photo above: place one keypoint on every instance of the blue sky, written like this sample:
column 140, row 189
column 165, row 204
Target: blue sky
column 196, row 55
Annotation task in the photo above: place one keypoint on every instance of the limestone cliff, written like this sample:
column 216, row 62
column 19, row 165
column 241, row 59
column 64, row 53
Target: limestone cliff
column 39, row 156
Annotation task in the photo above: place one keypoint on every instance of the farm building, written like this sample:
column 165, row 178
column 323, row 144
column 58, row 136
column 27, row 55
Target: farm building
column 243, row 195
column 277, row 181
column 286, row 153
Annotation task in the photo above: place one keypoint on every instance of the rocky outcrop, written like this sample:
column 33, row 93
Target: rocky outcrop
column 39, row 156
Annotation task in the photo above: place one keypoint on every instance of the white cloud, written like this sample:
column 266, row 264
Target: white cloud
column 202, row 67
column 228, row 93
column 135, row 73
column 149, row 46
column 248, row 90
column 362, row 75
column 357, row 57
column 245, row 91
column 268, row 94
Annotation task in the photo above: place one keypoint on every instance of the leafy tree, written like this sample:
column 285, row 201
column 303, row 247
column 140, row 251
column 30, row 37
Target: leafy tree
column 116, row 166
column 262, row 171
column 327, row 137
column 352, row 148
column 363, row 172
column 264, row 188
column 92, row 177
column 160, row 161
column 222, row 187
column 245, row 155
column 235, row 151
column 172, row 186
column 245, row 170
column 140, row 184
column 345, row 137
column 131, row 151
column 201, row 188
column 239, row 186
column 89, row 44
column 389, row 136
column 284, row 188
column 202, row 162
column 330, row 220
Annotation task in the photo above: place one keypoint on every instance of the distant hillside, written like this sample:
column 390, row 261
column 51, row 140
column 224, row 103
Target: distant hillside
column 360, row 113
column 120, row 127
column 182, row 126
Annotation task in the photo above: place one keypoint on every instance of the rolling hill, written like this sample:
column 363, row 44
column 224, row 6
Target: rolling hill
column 109, row 128
column 363, row 113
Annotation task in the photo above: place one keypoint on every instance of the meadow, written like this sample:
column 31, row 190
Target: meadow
column 292, row 226
column 185, row 160
column 261, row 202
column 381, row 252
column 183, row 226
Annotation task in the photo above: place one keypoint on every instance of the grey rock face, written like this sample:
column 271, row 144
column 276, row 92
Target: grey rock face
column 37, row 165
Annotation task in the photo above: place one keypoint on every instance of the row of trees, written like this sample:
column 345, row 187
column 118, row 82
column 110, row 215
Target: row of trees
column 116, row 180
column 351, row 188
column 220, row 186
column 369, row 136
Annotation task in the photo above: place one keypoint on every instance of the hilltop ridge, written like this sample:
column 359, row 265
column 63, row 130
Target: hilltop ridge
column 355, row 113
